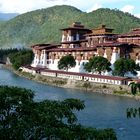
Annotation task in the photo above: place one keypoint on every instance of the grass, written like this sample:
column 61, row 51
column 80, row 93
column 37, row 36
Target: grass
column 29, row 75
column 59, row 82
column 121, row 92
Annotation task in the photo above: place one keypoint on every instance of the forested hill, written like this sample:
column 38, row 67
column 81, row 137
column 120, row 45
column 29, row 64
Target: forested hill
column 42, row 26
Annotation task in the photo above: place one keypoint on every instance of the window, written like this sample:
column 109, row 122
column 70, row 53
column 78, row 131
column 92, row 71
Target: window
column 48, row 62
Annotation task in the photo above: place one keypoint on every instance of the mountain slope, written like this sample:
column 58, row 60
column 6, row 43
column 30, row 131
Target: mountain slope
column 42, row 26
column 120, row 21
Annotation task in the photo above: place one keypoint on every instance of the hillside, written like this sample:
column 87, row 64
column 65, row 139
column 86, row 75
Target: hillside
column 42, row 26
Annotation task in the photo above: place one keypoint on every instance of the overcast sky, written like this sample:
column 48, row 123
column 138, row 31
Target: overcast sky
column 22, row 6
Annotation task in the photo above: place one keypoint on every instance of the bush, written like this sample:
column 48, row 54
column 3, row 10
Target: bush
column 104, row 86
column 87, row 85
column 59, row 82
column 120, row 88
column 121, row 92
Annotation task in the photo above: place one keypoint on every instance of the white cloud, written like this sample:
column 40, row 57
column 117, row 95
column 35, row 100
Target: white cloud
column 128, row 8
column 137, row 15
column 95, row 7
column 22, row 6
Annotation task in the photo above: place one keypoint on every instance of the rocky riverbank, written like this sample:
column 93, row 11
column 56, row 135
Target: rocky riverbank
column 75, row 84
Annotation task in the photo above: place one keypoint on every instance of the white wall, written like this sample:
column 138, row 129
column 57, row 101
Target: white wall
column 53, row 64
column 79, row 66
column 35, row 61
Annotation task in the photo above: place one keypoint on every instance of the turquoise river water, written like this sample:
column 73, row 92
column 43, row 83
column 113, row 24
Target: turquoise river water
column 101, row 111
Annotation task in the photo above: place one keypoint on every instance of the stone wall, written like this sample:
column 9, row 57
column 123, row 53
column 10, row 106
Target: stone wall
column 76, row 84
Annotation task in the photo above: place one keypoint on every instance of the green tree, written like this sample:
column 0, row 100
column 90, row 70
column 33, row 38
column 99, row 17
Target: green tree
column 22, row 118
column 98, row 64
column 122, row 66
column 32, row 27
column 21, row 58
column 133, row 112
column 66, row 62
column 134, row 87
column 5, row 52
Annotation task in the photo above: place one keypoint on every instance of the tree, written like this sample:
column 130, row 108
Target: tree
column 134, row 87
column 122, row 66
column 23, row 118
column 5, row 52
column 86, row 85
column 31, row 28
column 133, row 112
column 21, row 58
column 66, row 62
column 98, row 64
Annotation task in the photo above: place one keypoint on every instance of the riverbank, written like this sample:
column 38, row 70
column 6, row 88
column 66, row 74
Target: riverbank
column 108, row 89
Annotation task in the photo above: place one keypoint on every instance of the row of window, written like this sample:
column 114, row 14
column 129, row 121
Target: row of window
column 85, row 78
column 105, row 80
column 69, row 76
column 80, row 78
column 77, row 77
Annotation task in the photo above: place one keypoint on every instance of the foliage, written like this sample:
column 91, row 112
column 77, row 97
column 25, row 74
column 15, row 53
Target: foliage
column 121, row 92
column 42, row 26
column 86, row 85
column 120, row 87
column 133, row 112
column 122, row 66
column 23, row 118
column 5, row 52
column 59, row 82
column 97, row 64
column 26, row 74
column 66, row 62
column 21, row 58
column 134, row 87
column 104, row 86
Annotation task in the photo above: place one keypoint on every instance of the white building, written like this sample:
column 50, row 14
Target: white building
column 83, row 43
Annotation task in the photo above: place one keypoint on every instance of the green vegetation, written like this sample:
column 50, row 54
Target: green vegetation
column 98, row 64
column 104, row 86
column 21, row 58
column 133, row 112
column 86, row 85
column 42, row 26
column 135, row 88
column 59, row 82
column 5, row 52
column 121, row 92
column 66, row 62
column 122, row 66
column 22, row 118
column 26, row 74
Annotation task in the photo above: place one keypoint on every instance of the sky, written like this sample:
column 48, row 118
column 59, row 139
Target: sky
column 23, row 6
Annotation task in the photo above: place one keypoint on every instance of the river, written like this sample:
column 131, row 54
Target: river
column 101, row 111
